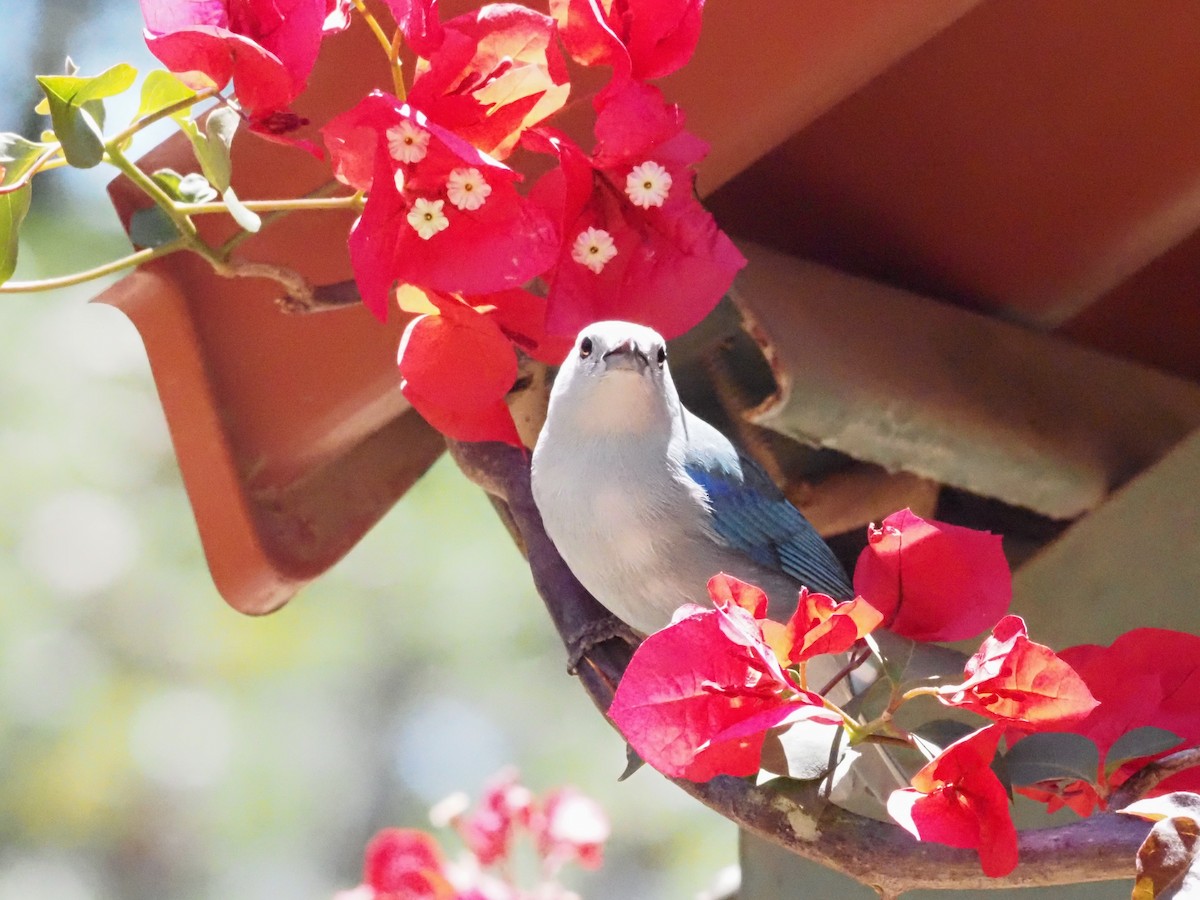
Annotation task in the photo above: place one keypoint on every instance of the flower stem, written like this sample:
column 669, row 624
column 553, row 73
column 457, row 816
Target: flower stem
column 144, row 121
column 151, row 188
column 349, row 201
column 391, row 47
column 125, row 262
column 394, row 59
column 855, row 661
column 918, row 692
column 354, row 202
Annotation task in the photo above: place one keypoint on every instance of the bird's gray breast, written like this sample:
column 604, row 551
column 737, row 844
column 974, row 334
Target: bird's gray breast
column 632, row 528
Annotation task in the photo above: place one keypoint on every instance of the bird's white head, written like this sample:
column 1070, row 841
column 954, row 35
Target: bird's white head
column 616, row 380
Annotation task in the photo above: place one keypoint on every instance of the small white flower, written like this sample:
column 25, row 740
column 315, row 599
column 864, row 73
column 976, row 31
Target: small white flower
column 467, row 189
column 426, row 217
column 648, row 184
column 399, row 179
column 593, row 248
column 407, row 143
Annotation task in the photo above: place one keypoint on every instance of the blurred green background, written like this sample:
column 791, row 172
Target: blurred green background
column 156, row 744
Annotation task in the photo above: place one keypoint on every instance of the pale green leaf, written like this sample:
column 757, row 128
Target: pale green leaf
column 77, row 111
column 190, row 188
column 13, row 207
column 19, row 159
column 160, row 90
column 212, row 146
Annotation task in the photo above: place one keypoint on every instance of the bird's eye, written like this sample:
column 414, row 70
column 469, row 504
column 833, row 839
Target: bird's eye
column 585, row 348
column 662, row 356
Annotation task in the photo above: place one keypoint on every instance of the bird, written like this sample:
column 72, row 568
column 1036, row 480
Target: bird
column 646, row 501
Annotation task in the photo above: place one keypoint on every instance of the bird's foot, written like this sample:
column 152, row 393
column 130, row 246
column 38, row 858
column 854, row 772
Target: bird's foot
column 594, row 633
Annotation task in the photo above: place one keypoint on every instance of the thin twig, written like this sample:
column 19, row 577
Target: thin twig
column 178, row 106
column 349, row 201
column 1145, row 780
column 855, row 661
column 125, row 262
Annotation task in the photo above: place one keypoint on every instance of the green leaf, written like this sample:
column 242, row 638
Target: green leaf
column 803, row 751
column 95, row 109
column 13, row 207
column 190, row 188
column 112, row 81
column 871, row 703
column 246, row 218
column 168, row 180
column 77, row 130
column 19, row 159
column 633, row 762
column 160, row 90
column 893, row 653
column 212, row 146
column 1145, row 741
column 151, row 227
column 77, row 111
column 944, row 732
column 1048, row 756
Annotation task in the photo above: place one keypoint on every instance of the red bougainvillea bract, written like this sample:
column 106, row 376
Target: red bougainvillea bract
column 1016, row 682
column 958, row 800
column 931, row 580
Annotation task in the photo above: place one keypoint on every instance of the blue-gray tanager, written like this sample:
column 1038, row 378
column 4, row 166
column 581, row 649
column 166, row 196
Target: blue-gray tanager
column 645, row 502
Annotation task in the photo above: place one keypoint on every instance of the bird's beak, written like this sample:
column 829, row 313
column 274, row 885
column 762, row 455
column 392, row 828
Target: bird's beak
column 627, row 355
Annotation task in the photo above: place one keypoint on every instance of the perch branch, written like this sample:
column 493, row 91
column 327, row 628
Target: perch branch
column 1141, row 782
column 790, row 813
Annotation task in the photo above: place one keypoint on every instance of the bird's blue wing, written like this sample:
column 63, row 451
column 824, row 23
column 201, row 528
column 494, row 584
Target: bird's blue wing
column 751, row 515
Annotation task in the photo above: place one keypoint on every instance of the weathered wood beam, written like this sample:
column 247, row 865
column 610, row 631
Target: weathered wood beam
column 911, row 384
column 1133, row 562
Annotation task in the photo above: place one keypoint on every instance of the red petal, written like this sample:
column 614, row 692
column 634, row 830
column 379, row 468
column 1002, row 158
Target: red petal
column 807, row 708
column 457, row 368
column 933, row 581
column 821, row 625
column 643, row 38
column 489, row 828
column 672, row 265
column 1149, row 676
column 1013, row 680
column 668, row 710
column 268, row 47
column 406, row 862
column 588, row 37
column 497, row 72
column 967, row 754
column 636, row 122
column 957, row 800
column 724, row 588
column 1079, row 796
column 418, row 21
column 573, row 828
column 501, row 245
column 522, row 317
